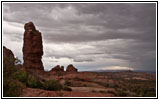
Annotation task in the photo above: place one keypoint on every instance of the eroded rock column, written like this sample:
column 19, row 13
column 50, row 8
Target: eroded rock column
column 32, row 48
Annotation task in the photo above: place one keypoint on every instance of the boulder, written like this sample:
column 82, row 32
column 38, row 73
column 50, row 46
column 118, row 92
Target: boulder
column 32, row 48
column 71, row 68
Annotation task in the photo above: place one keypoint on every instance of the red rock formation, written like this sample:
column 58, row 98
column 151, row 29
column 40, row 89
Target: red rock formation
column 8, row 54
column 71, row 68
column 57, row 69
column 62, row 67
column 32, row 48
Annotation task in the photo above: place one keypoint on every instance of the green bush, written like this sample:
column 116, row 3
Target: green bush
column 15, row 80
column 8, row 67
column 12, row 88
column 52, row 85
column 33, row 83
column 21, row 76
column 28, row 80
column 66, row 88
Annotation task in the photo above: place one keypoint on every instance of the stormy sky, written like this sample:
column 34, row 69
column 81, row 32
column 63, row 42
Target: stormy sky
column 91, row 36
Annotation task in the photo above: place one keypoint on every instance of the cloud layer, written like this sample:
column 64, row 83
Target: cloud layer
column 91, row 35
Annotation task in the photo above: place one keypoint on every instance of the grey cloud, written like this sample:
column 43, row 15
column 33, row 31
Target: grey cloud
column 124, row 31
column 83, row 60
column 116, row 17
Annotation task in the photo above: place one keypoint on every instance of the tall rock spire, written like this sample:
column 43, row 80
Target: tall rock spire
column 32, row 48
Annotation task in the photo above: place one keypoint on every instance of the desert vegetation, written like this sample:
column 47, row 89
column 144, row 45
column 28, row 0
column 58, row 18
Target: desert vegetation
column 14, row 80
column 120, row 84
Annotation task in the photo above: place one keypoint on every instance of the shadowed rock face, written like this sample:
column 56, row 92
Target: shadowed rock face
column 7, row 53
column 71, row 68
column 32, row 48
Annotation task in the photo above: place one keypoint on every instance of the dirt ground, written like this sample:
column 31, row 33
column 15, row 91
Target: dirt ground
column 31, row 92
column 107, row 84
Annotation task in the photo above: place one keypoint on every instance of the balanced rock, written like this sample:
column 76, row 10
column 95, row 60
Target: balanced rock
column 58, row 69
column 71, row 68
column 32, row 48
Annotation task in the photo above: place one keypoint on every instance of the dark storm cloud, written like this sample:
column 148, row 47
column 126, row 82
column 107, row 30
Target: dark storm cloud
column 101, row 17
column 112, row 30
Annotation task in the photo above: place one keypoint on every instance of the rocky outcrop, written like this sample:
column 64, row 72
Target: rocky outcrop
column 57, row 69
column 60, row 70
column 70, row 68
column 8, row 55
column 32, row 48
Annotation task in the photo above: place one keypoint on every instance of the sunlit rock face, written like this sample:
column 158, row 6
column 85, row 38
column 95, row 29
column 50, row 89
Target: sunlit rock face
column 32, row 48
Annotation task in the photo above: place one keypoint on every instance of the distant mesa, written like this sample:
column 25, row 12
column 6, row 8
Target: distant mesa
column 32, row 48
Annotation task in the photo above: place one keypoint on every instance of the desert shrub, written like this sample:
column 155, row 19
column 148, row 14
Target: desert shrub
column 21, row 76
column 149, row 92
column 27, row 79
column 66, row 88
column 33, row 83
column 8, row 67
column 67, row 83
column 39, row 84
column 12, row 88
column 144, row 88
column 52, row 85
